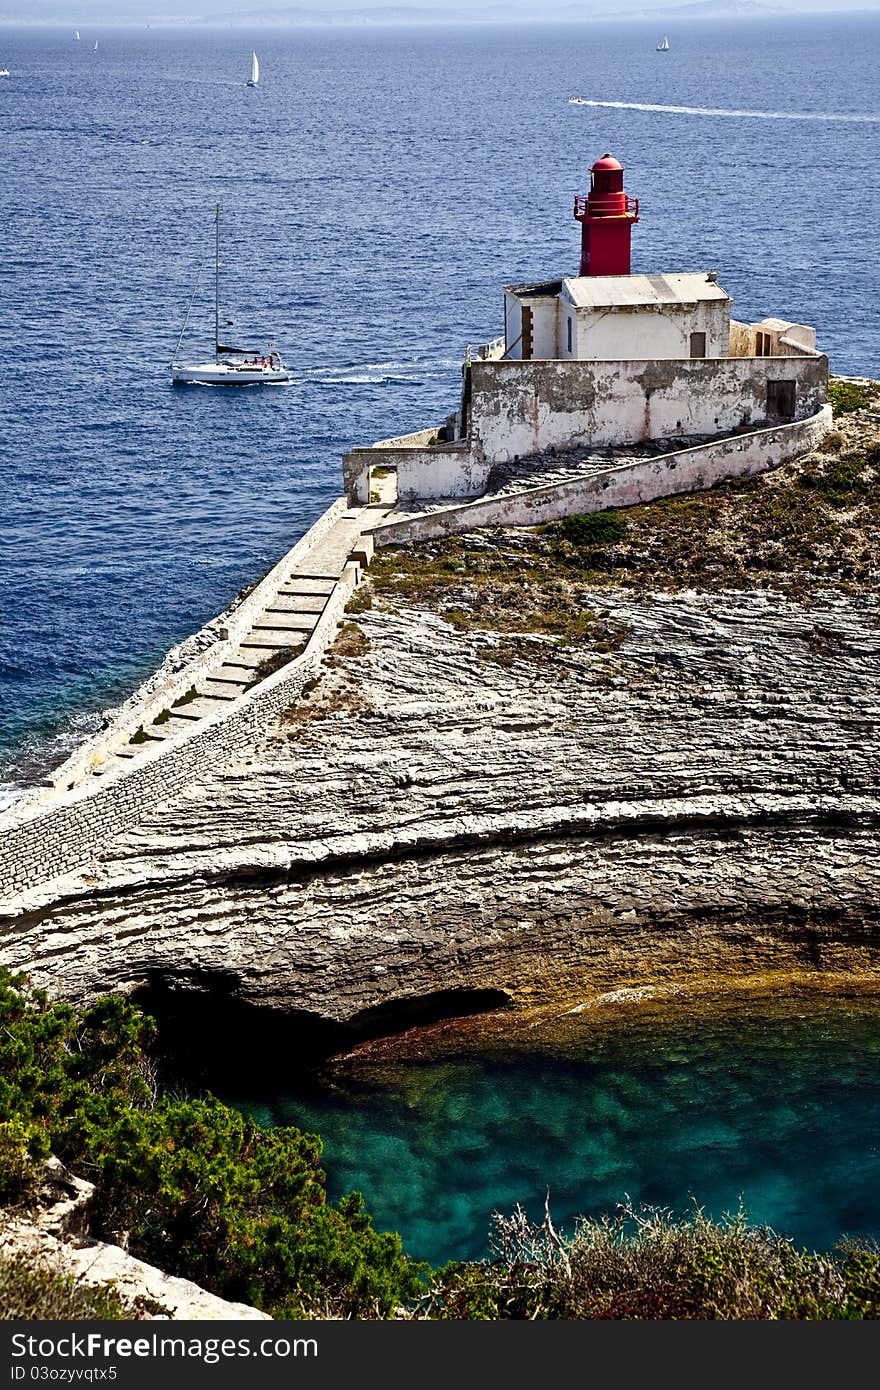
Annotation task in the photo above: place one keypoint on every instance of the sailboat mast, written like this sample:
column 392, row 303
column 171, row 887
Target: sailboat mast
column 217, row 288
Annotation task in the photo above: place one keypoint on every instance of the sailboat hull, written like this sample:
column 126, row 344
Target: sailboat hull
column 229, row 374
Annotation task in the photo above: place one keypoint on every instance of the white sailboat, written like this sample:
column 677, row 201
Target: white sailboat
column 663, row 45
column 4, row 72
column 231, row 366
column 95, row 49
column 255, row 71
column 76, row 35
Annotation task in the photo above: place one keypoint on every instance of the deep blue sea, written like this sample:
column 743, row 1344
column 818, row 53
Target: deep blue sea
column 378, row 188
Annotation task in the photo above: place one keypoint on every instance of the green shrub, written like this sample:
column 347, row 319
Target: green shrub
column 842, row 482
column 845, row 396
column 23, row 1143
column 360, row 602
column 270, row 664
column 207, row 1193
column 591, row 528
column 202, row 1191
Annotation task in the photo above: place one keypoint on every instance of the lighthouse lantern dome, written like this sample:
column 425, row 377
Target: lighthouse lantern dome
column 606, row 215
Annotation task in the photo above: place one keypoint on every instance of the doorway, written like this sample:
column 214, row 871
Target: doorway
column 383, row 485
column 781, row 400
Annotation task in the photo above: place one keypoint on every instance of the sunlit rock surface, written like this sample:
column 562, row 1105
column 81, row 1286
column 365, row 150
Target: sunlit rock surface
column 703, row 799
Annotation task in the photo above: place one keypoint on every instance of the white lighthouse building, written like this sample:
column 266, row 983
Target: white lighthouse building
column 609, row 359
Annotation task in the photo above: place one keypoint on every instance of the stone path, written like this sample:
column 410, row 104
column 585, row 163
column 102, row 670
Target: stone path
column 282, row 630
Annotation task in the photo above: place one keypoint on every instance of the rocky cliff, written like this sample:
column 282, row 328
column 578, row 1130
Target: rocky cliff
column 534, row 774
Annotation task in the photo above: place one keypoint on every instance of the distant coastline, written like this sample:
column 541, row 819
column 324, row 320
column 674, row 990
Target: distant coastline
column 428, row 17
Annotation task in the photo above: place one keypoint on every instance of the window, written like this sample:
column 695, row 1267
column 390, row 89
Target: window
column 568, row 326
column 698, row 345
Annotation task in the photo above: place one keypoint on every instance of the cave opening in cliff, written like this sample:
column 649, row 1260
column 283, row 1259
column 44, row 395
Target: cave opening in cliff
column 208, row 1034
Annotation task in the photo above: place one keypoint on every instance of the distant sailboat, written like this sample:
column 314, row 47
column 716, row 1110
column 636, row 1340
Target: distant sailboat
column 76, row 35
column 663, row 45
column 255, row 71
column 95, row 49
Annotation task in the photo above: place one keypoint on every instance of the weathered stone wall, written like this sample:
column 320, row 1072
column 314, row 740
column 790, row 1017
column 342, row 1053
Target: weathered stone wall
column 446, row 470
column 520, row 408
column 688, row 470
column 51, row 842
column 742, row 339
column 407, row 441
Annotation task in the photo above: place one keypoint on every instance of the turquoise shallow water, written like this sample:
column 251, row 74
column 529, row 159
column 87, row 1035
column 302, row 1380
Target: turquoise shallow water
column 781, row 1109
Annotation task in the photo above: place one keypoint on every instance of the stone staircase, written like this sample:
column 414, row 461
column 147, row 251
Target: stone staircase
column 281, row 631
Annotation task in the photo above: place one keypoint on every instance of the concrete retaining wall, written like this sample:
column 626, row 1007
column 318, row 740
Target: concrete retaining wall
column 688, row 470
column 408, row 441
column 522, row 408
column 69, row 835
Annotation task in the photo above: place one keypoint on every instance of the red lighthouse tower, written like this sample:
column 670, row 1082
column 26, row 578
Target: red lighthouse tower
column 606, row 215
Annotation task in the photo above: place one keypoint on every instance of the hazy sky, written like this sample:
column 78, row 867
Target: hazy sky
column 72, row 11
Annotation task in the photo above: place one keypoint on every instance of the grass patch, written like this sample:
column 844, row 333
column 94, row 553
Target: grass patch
column 591, row 528
column 361, row 601
column 846, row 396
column 187, row 698
column 336, row 692
column 139, row 736
column 32, row 1290
column 812, row 524
column 480, row 583
column 350, row 641
column 163, row 717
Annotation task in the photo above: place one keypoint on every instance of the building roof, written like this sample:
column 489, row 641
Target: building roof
column 629, row 291
column 545, row 289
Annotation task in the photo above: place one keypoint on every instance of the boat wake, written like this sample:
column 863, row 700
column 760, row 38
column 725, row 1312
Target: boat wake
column 730, row 112
column 403, row 373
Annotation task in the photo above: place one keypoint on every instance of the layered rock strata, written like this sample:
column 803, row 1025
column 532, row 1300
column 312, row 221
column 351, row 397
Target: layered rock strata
column 701, row 801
